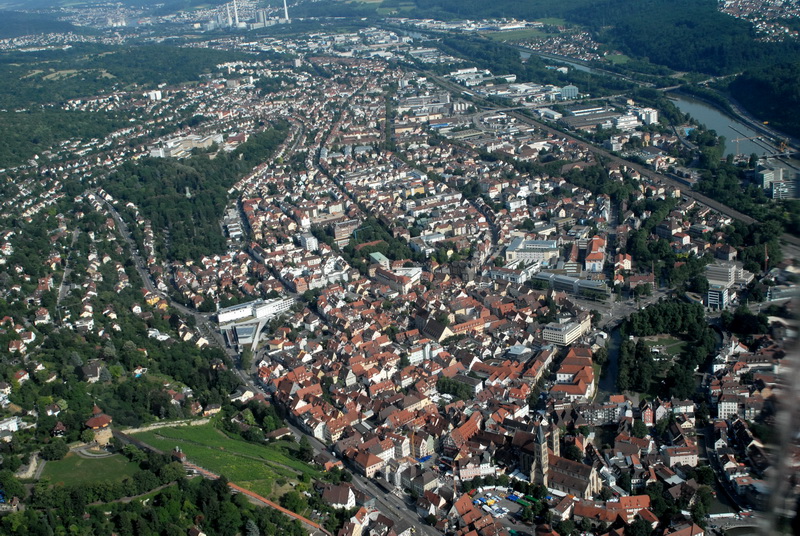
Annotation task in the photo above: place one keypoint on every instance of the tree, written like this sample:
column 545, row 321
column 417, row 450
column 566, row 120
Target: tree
column 624, row 481
column 294, row 501
column 431, row 519
column 246, row 360
column 305, row 452
column 566, row 528
column 55, row 450
column 639, row 527
column 571, row 452
column 639, row 428
column 251, row 529
column 87, row 436
column 601, row 356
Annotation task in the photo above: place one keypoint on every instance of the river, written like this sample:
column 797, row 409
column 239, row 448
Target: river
column 723, row 124
column 608, row 379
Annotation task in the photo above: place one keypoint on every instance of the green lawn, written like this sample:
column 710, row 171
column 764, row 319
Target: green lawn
column 76, row 470
column 618, row 59
column 672, row 346
column 553, row 21
column 252, row 466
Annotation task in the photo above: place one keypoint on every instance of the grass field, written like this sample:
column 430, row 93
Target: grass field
column 553, row 21
column 671, row 345
column 254, row 467
column 618, row 59
column 76, row 470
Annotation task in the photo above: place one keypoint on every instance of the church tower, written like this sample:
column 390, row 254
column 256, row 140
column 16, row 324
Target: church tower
column 554, row 440
column 541, row 464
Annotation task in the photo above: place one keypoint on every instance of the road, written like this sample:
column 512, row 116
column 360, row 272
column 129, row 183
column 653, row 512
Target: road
column 64, row 286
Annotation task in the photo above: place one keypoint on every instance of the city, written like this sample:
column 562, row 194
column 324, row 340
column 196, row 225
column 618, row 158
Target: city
column 352, row 281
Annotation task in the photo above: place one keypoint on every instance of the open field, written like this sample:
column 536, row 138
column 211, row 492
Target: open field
column 76, row 470
column 618, row 59
column 264, row 469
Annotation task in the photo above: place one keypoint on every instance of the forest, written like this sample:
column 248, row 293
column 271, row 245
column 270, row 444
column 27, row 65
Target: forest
column 770, row 92
column 159, row 186
column 54, row 76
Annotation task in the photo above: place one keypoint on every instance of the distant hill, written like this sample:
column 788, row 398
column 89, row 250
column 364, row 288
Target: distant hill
column 17, row 23
column 773, row 94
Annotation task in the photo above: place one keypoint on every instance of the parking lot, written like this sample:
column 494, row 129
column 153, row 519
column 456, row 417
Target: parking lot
column 496, row 503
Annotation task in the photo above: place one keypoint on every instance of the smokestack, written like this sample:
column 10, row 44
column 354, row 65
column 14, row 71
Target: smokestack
column 285, row 11
column 228, row 9
column 236, row 13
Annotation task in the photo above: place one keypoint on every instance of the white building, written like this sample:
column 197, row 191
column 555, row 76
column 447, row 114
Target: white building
column 566, row 332
column 257, row 309
column 542, row 251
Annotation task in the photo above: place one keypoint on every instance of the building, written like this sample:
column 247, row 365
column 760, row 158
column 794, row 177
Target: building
column 549, row 469
column 567, row 331
column 339, row 497
column 723, row 277
column 309, row 242
column 784, row 190
column 717, row 297
column 542, row 251
column 569, row 92
column 257, row 309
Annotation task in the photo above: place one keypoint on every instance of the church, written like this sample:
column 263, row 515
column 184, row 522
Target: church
column 540, row 450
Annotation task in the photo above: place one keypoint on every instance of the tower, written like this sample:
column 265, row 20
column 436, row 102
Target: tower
column 554, row 440
column 285, row 12
column 236, row 13
column 228, row 10
column 541, row 462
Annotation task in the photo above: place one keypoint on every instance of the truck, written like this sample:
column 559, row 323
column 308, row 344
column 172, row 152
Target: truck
column 724, row 515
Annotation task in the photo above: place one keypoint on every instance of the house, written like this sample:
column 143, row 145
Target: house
column 21, row 376
column 339, row 497
column 367, row 464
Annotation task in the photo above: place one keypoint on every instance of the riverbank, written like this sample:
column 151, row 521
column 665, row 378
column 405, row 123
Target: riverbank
column 736, row 114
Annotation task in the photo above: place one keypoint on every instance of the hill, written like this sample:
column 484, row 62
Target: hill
column 17, row 23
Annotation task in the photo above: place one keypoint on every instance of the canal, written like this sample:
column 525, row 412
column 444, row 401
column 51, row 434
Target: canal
column 724, row 125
